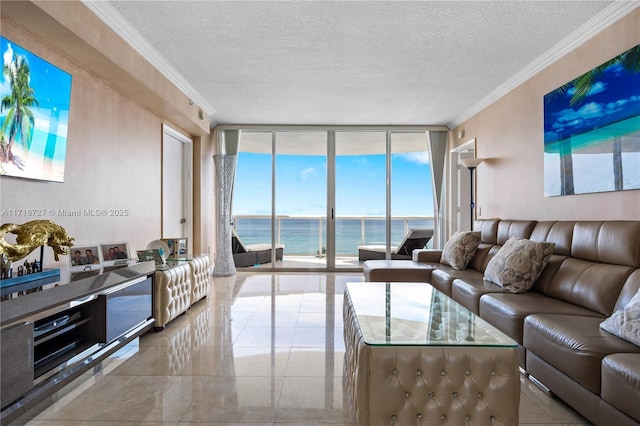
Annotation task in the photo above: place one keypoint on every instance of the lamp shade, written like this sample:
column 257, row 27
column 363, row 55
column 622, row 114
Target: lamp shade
column 471, row 163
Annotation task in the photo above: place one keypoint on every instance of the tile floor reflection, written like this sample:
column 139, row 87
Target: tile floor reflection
column 262, row 349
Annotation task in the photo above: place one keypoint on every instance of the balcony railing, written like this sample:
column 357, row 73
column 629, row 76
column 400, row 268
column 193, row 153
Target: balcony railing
column 306, row 235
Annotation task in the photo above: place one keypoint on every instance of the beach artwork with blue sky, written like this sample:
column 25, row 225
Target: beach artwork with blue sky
column 592, row 130
column 34, row 115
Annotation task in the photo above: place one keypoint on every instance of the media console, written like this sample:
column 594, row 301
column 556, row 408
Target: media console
column 50, row 337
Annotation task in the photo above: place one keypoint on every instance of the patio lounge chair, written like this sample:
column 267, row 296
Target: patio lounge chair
column 252, row 254
column 415, row 239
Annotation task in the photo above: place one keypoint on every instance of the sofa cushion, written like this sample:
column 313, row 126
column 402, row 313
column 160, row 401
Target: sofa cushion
column 460, row 248
column 467, row 291
column 518, row 264
column 507, row 311
column 442, row 277
column 514, row 228
column 573, row 344
column 483, row 256
column 592, row 285
column 615, row 242
column 621, row 382
column 559, row 233
column 625, row 322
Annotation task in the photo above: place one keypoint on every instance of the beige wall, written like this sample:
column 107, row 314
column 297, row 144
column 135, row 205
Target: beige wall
column 113, row 162
column 203, row 202
column 509, row 133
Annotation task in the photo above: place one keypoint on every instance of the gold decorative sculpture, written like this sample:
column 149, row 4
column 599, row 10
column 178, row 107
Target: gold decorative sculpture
column 32, row 235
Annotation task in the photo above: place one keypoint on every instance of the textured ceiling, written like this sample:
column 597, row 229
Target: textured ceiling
column 351, row 63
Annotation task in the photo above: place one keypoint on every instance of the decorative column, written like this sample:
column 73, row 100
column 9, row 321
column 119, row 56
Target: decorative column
column 225, row 161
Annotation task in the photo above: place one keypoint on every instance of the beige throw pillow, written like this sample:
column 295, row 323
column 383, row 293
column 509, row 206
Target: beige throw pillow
column 518, row 264
column 625, row 322
column 460, row 248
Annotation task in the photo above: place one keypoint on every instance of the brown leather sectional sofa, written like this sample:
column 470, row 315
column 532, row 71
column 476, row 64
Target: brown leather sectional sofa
column 594, row 271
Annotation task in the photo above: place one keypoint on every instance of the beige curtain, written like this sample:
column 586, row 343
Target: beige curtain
column 437, row 144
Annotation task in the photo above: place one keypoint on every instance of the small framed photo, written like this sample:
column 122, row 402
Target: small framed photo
column 150, row 254
column 118, row 252
column 84, row 255
column 177, row 247
column 182, row 246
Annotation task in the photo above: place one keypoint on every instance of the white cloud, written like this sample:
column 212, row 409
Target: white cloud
column 309, row 171
column 417, row 157
column 6, row 59
column 596, row 87
column 591, row 109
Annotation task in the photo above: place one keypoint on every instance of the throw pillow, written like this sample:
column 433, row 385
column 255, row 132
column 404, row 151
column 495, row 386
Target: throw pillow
column 460, row 248
column 625, row 322
column 518, row 264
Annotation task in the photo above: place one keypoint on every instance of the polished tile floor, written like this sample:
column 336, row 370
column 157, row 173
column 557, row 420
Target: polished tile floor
column 262, row 349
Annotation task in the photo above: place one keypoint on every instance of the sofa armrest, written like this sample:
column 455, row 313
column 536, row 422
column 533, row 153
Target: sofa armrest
column 426, row 255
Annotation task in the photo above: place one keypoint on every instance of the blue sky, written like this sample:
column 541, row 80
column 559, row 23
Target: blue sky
column 52, row 87
column 360, row 188
column 614, row 96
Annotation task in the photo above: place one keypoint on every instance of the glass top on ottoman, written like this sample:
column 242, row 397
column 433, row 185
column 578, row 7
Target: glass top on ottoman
column 418, row 314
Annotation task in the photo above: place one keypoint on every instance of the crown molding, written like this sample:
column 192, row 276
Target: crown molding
column 110, row 16
column 604, row 19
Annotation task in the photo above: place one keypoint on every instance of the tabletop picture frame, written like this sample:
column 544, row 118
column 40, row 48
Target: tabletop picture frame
column 177, row 247
column 150, row 254
column 83, row 255
column 115, row 252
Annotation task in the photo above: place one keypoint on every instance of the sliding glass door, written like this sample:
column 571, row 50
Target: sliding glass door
column 301, row 197
column 411, row 188
column 252, row 200
column 361, row 196
column 331, row 198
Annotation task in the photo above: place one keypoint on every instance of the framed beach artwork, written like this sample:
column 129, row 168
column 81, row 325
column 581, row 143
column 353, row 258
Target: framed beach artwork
column 34, row 115
column 592, row 130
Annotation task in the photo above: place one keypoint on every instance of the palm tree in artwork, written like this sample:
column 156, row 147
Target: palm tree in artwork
column 19, row 122
column 629, row 60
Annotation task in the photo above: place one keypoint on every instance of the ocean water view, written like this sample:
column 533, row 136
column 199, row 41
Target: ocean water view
column 307, row 236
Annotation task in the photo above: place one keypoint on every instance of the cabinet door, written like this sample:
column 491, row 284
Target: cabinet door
column 16, row 366
column 127, row 306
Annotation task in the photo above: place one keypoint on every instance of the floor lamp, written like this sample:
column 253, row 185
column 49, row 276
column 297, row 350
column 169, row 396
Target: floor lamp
column 471, row 164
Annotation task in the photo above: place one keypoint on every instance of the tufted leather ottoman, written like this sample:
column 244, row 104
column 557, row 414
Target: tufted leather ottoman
column 387, row 384
column 200, row 277
column 171, row 293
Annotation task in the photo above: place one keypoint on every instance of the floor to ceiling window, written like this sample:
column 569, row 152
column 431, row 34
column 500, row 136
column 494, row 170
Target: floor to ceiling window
column 252, row 190
column 301, row 195
column 323, row 193
column 361, row 196
column 411, row 188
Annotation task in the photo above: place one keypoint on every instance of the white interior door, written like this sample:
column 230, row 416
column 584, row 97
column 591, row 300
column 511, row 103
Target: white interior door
column 177, row 186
